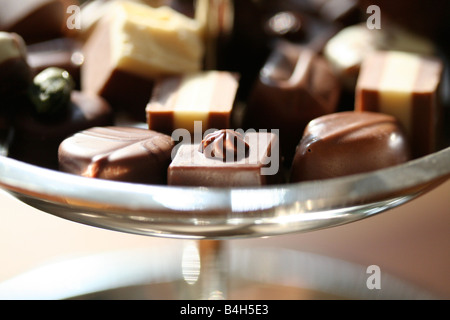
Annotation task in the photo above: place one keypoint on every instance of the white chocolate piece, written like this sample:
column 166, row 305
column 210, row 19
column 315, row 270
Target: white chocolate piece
column 396, row 86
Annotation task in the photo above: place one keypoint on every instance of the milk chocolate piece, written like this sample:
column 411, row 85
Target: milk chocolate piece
column 117, row 153
column 15, row 73
column 36, row 140
column 64, row 53
column 35, row 20
column 350, row 46
column 179, row 101
column 406, row 86
column 347, row 143
column 254, row 161
column 294, row 87
column 132, row 47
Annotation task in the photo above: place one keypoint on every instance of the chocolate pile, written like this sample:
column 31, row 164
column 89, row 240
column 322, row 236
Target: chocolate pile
column 221, row 93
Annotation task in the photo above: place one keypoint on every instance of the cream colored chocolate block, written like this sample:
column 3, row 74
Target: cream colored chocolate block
column 153, row 41
column 396, row 85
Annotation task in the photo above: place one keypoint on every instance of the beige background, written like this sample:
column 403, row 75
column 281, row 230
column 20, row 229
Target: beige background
column 411, row 242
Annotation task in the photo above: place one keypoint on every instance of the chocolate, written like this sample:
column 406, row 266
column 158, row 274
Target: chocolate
column 92, row 12
column 36, row 20
column 15, row 73
column 117, row 153
column 64, row 53
column 253, row 161
column 350, row 46
column 224, row 144
column 132, row 47
column 406, row 86
column 36, row 140
column 295, row 86
column 346, row 143
column 179, row 101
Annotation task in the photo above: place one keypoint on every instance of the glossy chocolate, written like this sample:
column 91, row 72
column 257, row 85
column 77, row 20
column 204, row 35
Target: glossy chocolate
column 294, row 87
column 36, row 140
column 117, row 153
column 259, row 166
column 347, row 143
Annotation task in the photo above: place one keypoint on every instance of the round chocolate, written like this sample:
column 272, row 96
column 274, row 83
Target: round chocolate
column 347, row 143
column 117, row 153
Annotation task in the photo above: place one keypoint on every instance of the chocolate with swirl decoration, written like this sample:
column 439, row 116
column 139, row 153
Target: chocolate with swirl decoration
column 260, row 166
column 225, row 145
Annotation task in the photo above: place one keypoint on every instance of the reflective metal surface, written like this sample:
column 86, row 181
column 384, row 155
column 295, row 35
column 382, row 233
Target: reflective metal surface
column 208, row 213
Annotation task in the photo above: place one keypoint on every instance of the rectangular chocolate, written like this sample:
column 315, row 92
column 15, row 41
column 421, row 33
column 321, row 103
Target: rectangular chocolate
column 133, row 45
column 406, row 86
column 179, row 101
column 226, row 158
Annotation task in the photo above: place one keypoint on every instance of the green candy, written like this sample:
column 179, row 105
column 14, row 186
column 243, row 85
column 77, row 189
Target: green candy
column 51, row 90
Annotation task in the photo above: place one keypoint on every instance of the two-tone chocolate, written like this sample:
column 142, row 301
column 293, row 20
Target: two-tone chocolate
column 179, row 101
column 406, row 86
column 117, row 153
column 227, row 158
column 346, row 143
column 295, row 86
column 134, row 45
